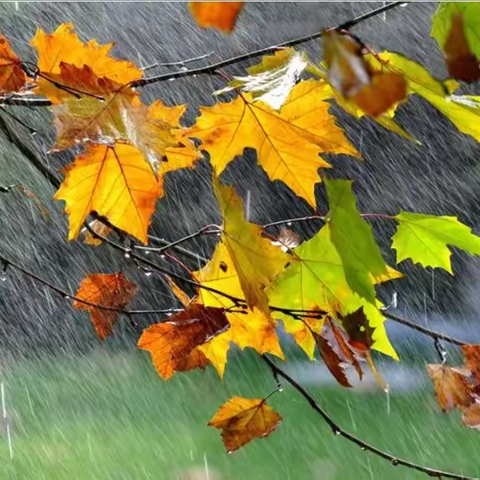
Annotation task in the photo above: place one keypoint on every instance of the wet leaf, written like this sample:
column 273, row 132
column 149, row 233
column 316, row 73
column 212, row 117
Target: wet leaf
column 257, row 262
column 288, row 142
column 243, row 419
column 171, row 343
column 272, row 80
column 12, row 76
column 108, row 290
column 65, row 47
column 318, row 278
column 353, row 239
column 425, row 239
column 471, row 416
column 359, row 331
column 375, row 92
column 451, row 387
column 336, row 352
column 116, row 182
column 219, row 15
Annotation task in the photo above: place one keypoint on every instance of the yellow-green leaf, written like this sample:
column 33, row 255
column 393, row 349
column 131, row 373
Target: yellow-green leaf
column 353, row 239
column 425, row 239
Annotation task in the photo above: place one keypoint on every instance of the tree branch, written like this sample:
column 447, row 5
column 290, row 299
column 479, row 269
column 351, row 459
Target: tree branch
column 213, row 68
column 337, row 430
column 424, row 330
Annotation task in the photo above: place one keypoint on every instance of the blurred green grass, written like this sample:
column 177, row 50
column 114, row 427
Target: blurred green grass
column 109, row 416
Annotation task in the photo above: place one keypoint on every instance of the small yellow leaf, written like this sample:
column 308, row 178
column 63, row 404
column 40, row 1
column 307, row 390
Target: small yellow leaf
column 243, row 419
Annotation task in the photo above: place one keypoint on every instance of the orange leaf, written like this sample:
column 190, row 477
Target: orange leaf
column 375, row 92
column 12, row 76
column 288, row 142
column 170, row 343
column 461, row 62
column 116, row 182
column 451, row 387
column 471, row 416
column 336, row 352
column 108, row 290
column 243, row 419
column 220, row 15
column 472, row 360
column 64, row 46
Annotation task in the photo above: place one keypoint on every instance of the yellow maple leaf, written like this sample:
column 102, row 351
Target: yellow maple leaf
column 116, row 182
column 257, row 262
column 288, row 142
column 64, row 46
column 243, row 419
column 120, row 116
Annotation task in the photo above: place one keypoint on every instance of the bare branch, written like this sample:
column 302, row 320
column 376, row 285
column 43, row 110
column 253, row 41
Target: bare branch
column 337, row 430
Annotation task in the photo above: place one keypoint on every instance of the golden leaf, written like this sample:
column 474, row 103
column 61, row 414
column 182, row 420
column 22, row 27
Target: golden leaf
column 220, row 15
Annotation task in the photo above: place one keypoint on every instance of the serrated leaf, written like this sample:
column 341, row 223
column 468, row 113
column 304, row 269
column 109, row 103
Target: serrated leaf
column 318, row 280
column 257, row 262
column 12, row 76
column 353, row 239
column 64, row 46
column 288, row 142
column 219, row 15
column 272, row 80
column 425, row 239
column 243, row 419
column 172, row 343
column 116, row 182
column 108, row 290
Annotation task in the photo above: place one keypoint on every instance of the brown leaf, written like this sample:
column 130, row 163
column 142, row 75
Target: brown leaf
column 451, row 386
column 358, row 329
column 243, row 419
column 195, row 359
column 471, row 416
column 108, row 290
column 472, row 361
column 375, row 92
column 219, row 15
column 12, row 76
column 336, row 352
column 170, row 343
column 461, row 62
column 98, row 227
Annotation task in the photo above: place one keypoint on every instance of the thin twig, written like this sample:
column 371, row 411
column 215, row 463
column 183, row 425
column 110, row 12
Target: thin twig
column 339, row 431
column 424, row 330
column 179, row 62
column 67, row 295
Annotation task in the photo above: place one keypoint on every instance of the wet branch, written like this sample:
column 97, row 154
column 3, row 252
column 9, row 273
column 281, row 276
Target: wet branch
column 214, row 68
column 339, row 431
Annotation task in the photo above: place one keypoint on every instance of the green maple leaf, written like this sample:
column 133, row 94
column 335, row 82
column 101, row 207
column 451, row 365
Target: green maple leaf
column 353, row 239
column 442, row 23
column 424, row 239
column 317, row 280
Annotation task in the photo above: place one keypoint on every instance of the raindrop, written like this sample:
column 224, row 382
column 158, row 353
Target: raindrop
column 3, row 276
column 162, row 256
column 127, row 255
column 148, row 273
column 280, row 388
column 394, row 461
column 289, row 224
column 337, row 432
column 171, row 79
column 147, row 252
column 404, row 4
column 184, row 69
column 66, row 297
column 363, row 449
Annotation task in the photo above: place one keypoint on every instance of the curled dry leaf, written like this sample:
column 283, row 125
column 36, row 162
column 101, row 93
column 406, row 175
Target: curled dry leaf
column 375, row 92
column 12, row 76
column 173, row 344
column 452, row 386
column 219, row 15
column 336, row 352
column 243, row 419
column 108, row 290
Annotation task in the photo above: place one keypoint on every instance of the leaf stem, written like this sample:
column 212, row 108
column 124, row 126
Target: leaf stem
column 339, row 431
